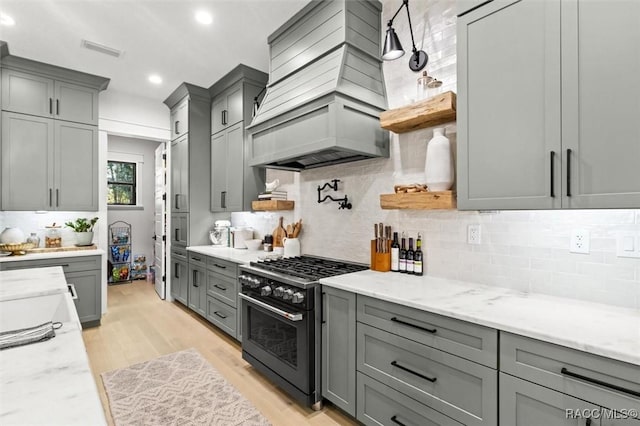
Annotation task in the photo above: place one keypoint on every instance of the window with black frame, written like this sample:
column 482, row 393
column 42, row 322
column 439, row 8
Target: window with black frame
column 121, row 183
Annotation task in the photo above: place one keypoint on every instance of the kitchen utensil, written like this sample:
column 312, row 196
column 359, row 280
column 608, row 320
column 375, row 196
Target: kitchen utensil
column 375, row 232
column 297, row 228
column 289, row 231
column 291, row 247
column 219, row 236
column 381, row 236
column 278, row 234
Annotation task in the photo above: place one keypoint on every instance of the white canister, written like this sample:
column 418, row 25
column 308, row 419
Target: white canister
column 439, row 171
column 11, row 236
column 291, row 247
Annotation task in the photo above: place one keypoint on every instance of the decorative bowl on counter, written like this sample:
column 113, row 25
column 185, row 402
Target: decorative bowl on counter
column 16, row 249
column 253, row 245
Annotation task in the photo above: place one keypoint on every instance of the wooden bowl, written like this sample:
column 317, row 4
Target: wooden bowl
column 16, row 249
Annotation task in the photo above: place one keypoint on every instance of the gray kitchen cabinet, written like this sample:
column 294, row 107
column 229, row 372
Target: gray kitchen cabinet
column 223, row 306
column 179, row 229
column 555, row 145
column 197, row 287
column 339, row 348
column 524, row 403
column 234, row 184
column 180, row 174
column 35, row 94
column 222, row 315
column 179, row 119
column 179, row 276
column 56, row 170
column 85, row 272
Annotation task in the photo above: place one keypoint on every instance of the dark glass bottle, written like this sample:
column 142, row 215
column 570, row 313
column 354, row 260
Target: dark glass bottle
column 395, row 254
column 410, row 257
column 402, row 258
column 418, row 263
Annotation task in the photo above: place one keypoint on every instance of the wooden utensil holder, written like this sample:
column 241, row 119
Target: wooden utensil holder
column 380, row 262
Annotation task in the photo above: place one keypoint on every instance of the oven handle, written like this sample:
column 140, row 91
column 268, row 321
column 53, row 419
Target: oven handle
column 285, row 314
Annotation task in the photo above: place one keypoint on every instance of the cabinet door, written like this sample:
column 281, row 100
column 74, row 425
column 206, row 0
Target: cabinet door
column 235, row 168
column 179, row 281
column 218, row 107
column 27, row 162
column 27, row 93
column 197, row 297
column 600, row 115
column 76, row 103
column 339, row 348
column 524, row 403
column 179, row 175
column 219, row 164
column 89, row 289
column 234, row 105
column 509, row 106
column 75, row 167
column 180, row 119
column 180, row 229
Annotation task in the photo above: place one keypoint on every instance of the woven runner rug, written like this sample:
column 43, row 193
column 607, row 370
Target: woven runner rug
column 181, row 388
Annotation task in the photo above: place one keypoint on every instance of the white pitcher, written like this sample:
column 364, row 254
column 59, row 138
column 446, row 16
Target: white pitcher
column 291, row 247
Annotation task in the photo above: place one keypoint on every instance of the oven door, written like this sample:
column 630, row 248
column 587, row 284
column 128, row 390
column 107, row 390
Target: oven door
column 279, row 339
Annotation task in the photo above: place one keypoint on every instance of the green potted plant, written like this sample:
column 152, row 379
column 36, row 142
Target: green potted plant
column 83, row 229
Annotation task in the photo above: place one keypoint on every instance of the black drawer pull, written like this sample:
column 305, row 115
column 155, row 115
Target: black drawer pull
column 566, row 372
column 175, row 274
column 569, row 172
column 396, row 421
column 195, row 278
column 175, row 236
column 219, row 266
column 552, row 192
column 197, row 259
column 220, row 315
column 219, row 287
column 66, row 265
column 415, row 373
column 58, row 106
column 50, row 106
column 428, row 330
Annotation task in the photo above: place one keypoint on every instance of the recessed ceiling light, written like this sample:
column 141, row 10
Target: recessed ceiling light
column 155, row 79
column 6, row 20
column 204, row 17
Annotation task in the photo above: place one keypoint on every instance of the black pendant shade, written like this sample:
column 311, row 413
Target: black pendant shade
column 393, row 49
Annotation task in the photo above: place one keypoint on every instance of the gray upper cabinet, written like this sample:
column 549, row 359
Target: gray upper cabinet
column 227, row 150
column 180, row 174
column 75, row 103
column 226, row 109
column 550, row 134
column 180, row 119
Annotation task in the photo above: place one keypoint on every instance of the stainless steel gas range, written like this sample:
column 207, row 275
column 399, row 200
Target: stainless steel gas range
column 281, row 309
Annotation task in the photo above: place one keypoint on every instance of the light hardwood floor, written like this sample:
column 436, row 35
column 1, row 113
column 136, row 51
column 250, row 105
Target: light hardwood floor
column 139, row 327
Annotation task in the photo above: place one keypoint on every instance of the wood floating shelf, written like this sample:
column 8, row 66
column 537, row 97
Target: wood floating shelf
column 428, row 113
column 444, row 200
column 271, row 205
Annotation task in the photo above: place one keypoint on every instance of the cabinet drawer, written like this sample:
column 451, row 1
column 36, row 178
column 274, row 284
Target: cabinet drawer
column 456, row 387
column 470, row 341
column 543, row 363
column 179, row 253
column 198, row 260
column 69, row 264
column 222, row 315
column 223, row 288
column 380, row 405
column 223, row 267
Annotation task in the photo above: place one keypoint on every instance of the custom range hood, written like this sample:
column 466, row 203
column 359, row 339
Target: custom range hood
column 326, row 89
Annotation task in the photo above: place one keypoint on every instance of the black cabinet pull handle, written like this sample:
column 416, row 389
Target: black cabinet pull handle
column 57, row 197
column 219, row 287
column 219, row 266
column 428, row 330
column 65, row 265
column 176, row 127
column 566, row 372
column 195, row 278
column 175, row 271
column 322, row 321
column 415, row 373
column 197, row 259
column 396, row 421
column 50, row 105
column 569, row 172
column 223, row 199
column 175, row 234
column 220, row 315
column 50, row 197
column 551, row 192
column 57, row 106
column 177, row 199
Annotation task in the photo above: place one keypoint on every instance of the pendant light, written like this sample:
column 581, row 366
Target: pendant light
column 393, row 48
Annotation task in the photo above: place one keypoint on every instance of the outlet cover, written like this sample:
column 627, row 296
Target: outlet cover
column 473, row 234
column 580, row 241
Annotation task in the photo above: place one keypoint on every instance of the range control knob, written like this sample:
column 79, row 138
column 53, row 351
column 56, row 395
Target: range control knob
column 288, row 294
column 297, row 297
column 265, row 291
column 242, row 278
column 279, row 291
column 255, row 282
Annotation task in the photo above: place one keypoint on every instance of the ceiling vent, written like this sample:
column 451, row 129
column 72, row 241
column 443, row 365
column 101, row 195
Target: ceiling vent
column 101, row 48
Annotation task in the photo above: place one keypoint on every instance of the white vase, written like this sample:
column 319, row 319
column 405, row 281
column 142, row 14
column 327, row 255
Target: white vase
column 11, row 236
column 439, row 171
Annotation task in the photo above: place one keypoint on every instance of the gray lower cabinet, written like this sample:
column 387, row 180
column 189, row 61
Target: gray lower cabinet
column 197, row 286
column 222, row 315
column 85, row 272
column 339, row 348
column 56, row 170
column 179, row 276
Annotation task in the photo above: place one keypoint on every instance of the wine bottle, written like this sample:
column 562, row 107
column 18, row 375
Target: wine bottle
column 402, row 258
column 410, row 257
column 418, row 265
column 395, row 253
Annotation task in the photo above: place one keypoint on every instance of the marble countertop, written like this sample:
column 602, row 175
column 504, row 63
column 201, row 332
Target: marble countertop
column 24, row 283
column 49, row 382
column 52, row 255
column 242, row 256
column 599, row 329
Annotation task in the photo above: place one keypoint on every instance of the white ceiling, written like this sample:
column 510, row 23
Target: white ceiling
column 157, row 36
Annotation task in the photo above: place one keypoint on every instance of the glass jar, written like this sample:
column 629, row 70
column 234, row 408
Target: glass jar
column 34, row 239
column 423, row 86
column 53, row 238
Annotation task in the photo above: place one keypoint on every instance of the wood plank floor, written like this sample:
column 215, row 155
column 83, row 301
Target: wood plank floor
column 139, row 327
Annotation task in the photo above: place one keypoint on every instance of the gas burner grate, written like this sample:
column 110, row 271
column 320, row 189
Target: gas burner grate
column 308, row 267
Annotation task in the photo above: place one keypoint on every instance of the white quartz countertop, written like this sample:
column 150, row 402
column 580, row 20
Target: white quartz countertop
column 243, row 256
column 24, row 283
column 52, row 255
column 599, row 329
column 46, row 383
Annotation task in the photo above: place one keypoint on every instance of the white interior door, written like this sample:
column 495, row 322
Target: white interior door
column 160, row 220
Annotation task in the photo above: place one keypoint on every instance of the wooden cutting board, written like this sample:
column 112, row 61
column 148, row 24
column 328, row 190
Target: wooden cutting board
column 279, row 233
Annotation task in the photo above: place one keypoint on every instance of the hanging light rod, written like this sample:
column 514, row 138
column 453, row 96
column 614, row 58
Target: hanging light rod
column 393, row 49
